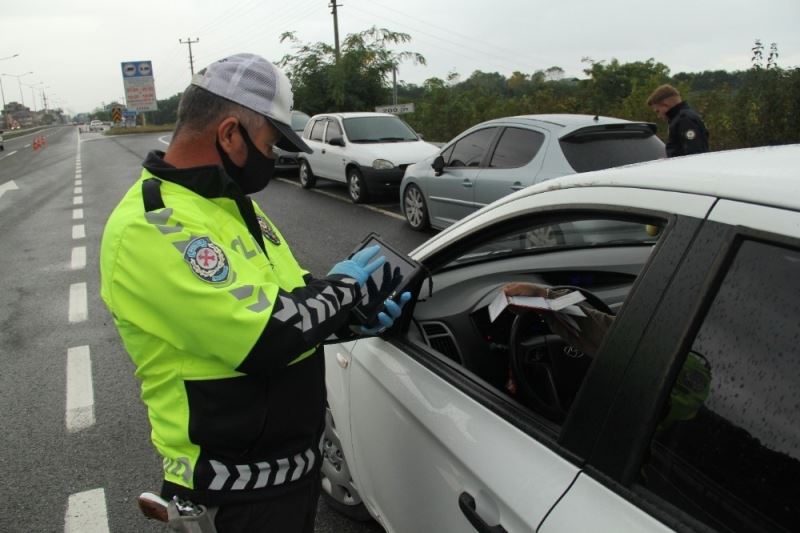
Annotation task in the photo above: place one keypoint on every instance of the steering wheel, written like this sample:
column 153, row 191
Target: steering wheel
column 548, row 370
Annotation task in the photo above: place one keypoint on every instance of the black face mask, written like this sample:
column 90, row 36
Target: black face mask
column 258, row 169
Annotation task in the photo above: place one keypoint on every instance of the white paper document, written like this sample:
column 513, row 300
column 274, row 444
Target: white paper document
column 563, row 304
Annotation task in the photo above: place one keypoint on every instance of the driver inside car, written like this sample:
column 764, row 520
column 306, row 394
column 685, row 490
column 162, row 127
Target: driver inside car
column 692, row 386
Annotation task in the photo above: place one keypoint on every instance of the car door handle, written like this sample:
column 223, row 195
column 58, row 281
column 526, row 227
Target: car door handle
column 466, row 183
column 467, row 504
column 517, row 186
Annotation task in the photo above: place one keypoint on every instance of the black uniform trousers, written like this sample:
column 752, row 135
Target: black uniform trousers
column 295, row 512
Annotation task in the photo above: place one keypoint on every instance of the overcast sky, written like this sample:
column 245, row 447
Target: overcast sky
column 74, row 49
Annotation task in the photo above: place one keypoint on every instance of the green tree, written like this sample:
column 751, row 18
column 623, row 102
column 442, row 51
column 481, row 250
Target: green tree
column 358, row 81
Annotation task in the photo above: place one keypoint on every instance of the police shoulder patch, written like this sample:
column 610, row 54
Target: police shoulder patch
column 207, row 260
column 690, row 134
column 267, row 231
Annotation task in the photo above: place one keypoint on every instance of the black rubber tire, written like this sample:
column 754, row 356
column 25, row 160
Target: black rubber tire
column 306, row 175
column 415, row 209
column 356, row 186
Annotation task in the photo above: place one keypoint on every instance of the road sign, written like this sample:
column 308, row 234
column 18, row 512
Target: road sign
column 116, row 114
column 140, row 90
column 397, row 109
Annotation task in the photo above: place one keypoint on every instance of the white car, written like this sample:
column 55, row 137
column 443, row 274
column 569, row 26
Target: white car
column 367, row 151
column 285, row 160
column 96, row 125
column 685, row 418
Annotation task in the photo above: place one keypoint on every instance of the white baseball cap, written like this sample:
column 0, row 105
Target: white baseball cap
column 253, row 82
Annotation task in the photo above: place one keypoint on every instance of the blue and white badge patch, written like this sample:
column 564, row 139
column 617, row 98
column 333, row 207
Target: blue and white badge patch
column 267, row 231
column 207, row 260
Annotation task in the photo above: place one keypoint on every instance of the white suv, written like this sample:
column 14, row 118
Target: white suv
column 368, row 151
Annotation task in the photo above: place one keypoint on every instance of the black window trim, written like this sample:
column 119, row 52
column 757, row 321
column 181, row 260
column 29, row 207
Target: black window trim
column 489, row 149
column 533, row 425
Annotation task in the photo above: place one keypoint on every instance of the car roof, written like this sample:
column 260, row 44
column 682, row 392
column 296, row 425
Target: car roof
column 560, row 124
column 765, row 175
column 353, row 114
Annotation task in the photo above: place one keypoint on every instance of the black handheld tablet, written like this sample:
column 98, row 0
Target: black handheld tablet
column 402, row 273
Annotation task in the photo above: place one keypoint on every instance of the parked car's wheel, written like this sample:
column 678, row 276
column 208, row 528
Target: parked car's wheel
column 307, row 177
column 338, row 490
column 414, row 207
column 356, row 186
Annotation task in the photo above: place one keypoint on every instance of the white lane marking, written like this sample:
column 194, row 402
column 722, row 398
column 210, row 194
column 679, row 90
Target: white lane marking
column 161, row 139
column 8, row 186
column 77, row 214
column 78, row 231
column 78, row 200
column 78, row 190
column 78, row 258
column 9, row 154
column 78, row 309
column 80, row 394
column 78, row 175
column 347, row 200
column 87, row 513
column 78, row 181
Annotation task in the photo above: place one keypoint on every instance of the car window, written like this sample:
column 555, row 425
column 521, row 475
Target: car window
column 378, row 129
column 525, row 357
column 299, row 120
column 610, row 150
column 727, row 450
column 561, row 235
column 516, row 148
column 317, row 130
column 470, row 149
column 333, row 130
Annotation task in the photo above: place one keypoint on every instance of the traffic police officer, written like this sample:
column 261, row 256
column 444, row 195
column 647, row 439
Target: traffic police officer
column 223, row 325
column 687, row 132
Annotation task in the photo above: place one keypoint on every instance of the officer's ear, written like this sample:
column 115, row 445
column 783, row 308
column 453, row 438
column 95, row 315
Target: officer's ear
column 230, row 139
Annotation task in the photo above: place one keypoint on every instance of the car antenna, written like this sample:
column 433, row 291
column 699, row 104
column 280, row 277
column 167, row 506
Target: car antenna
column 596, row 118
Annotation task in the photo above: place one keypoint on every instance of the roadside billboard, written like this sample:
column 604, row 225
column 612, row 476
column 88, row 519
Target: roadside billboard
column 140, row 89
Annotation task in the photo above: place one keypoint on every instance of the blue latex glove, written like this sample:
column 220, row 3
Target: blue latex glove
column 358, row 267
column 386, row 318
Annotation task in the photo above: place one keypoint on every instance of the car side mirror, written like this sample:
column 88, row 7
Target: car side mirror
column 336, row 141
column 420, row 136
column 438, row 165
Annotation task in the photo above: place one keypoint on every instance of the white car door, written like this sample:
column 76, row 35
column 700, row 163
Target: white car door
column 444, row 448
column 331, row 158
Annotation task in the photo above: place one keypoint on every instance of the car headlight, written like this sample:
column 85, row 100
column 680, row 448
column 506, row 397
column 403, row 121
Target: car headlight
column 382, row 164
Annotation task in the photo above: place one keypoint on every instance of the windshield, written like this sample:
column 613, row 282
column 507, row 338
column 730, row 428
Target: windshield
column 614, row 150
column 562, row 235
column 378, row 129
column 299, row 120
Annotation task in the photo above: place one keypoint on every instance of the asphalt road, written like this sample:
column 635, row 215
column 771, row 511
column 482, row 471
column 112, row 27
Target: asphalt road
column 75, row 439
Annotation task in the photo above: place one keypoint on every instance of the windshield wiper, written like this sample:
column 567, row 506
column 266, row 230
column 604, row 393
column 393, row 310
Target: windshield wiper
column 393, row 139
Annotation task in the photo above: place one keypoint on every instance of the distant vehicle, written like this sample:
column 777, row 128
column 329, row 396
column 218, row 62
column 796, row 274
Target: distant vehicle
column 368, row 151
column 500, row 156
column 96, row 125
column 288, row 160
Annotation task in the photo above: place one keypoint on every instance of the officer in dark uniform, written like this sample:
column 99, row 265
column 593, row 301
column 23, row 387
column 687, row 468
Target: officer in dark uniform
column 687, row 132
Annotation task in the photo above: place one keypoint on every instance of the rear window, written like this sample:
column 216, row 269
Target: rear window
column 601, row 152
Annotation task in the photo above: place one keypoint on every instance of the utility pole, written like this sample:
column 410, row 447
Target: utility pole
column 333, row 5
column 189, row 41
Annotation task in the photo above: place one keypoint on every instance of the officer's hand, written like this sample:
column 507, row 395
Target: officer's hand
column 391, row 312
column 358, row 267
column 389, row 282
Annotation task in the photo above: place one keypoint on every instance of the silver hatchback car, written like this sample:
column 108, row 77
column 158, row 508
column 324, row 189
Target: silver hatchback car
column 500, row 156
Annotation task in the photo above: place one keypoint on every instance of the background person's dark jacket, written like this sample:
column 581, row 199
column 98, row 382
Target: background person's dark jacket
column 687, row 132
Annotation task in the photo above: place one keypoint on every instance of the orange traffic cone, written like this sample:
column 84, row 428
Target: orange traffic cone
column 35, row 143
